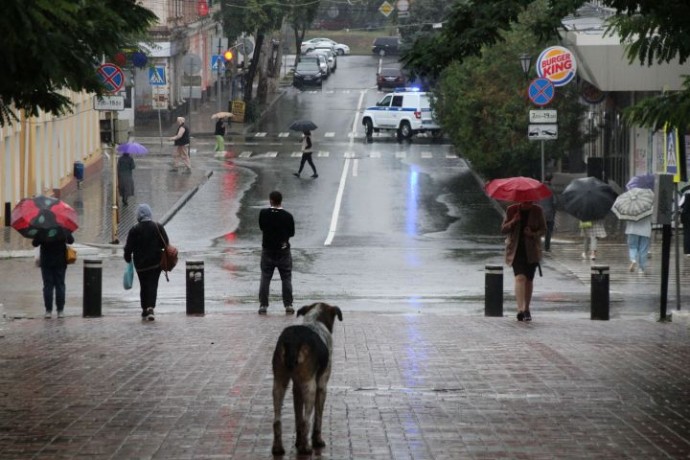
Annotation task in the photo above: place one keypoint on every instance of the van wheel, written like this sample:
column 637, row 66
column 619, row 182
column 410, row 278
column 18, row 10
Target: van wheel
column 368, row 128
column 405, row 130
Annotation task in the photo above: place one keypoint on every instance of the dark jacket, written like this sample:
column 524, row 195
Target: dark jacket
column 145, row 244
column 53, row 252
column 537, row 225
column 220, row 128
column 278, row 226
column 125, row 180
column 184, row 139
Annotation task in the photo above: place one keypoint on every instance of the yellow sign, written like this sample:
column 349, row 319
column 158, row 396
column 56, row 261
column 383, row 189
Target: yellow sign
column 386, row 9
column 237, row 111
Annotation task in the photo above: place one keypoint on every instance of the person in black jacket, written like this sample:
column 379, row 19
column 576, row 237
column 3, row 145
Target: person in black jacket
column 53, row 270
column 181, row 141
column 145, row 241
column 278, row 226
column 306, row 155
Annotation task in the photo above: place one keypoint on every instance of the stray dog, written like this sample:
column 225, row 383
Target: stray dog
column 303, row 355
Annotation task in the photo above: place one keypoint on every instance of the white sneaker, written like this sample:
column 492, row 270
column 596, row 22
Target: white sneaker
column 48, row 314
column 61, row 314
column 633, row 266
column 149, row 314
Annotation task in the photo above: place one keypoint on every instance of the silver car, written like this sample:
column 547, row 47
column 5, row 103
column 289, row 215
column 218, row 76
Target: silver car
column 321, row 60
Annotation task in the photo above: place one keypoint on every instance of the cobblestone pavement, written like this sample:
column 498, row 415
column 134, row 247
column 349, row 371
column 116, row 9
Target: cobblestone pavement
column 404, row 386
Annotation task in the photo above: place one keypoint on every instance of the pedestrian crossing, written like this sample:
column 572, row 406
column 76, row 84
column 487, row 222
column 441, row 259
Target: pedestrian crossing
column 426, row 155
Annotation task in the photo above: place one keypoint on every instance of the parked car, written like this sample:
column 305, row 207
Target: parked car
column 390, row 78
column 321, row 61
column 307, row 73
column 330, row 56
column 308, row 45
column 386, row 45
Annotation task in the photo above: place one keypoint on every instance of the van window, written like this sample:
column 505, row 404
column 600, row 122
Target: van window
column 385, row 102
column 424, row 102
column 397, row 101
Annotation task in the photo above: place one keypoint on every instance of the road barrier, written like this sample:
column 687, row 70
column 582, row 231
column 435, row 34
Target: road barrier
column 600, row 292
column 93, row 288
column 195, row 287
column 493, row 290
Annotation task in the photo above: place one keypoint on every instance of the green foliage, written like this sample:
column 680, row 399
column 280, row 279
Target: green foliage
column 50, row 45
column 482, row 105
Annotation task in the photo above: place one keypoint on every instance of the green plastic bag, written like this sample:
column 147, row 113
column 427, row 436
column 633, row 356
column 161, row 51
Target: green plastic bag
column 128, row 278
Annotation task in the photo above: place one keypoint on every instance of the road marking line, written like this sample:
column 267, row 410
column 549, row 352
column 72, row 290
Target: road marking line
column 426, row 155
column 246, row 154
column 349, row 155
column 284, row 134
column 451, row 155
column 400, row 155
column 260, row 134
column 271, row 154
column 323, row 153
column 343, row 180
column 329, row 134
column 355, row 168
column 296, row 154
column 375, row 155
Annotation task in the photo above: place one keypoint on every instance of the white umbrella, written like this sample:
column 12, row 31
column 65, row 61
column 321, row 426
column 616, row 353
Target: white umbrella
column 635, row 204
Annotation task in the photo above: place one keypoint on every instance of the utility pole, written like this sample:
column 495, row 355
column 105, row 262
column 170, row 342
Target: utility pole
column 219, row 63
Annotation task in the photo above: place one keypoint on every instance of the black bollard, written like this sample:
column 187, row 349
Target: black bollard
column 93, row 286
column 8, row 214
column 195, row 287
column 493, row 290
column 600, row 292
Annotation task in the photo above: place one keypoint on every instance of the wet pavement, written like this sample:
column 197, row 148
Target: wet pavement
column 426, row 377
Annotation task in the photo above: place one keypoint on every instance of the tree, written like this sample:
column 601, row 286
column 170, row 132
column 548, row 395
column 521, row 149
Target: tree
column 253, row 17
column 653, row 31
column 52, row 45
column 482, row 105
column 300, row 18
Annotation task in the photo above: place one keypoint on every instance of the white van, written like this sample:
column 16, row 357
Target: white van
column 406, row 111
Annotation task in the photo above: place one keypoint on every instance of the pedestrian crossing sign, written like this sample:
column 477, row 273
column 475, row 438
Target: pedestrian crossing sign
column 217, row 62
column 157, row 76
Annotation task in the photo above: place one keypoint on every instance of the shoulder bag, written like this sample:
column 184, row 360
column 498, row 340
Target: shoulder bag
column 168, row 255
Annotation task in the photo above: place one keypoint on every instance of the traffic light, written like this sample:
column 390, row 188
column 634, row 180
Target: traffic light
column 228, row 55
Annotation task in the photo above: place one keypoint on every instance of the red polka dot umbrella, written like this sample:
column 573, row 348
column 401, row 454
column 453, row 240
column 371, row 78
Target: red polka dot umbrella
column 44, row 218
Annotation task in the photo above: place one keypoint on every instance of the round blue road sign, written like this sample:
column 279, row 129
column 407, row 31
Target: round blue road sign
column 112, row 77
column 541, row 91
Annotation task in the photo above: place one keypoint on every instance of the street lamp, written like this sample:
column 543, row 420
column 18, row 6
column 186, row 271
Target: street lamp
column 525, row 63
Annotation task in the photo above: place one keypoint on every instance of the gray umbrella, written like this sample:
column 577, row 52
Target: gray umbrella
column 588, row 198
column 303, row 125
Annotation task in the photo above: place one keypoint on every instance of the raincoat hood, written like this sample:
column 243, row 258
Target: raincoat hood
column 144, row 212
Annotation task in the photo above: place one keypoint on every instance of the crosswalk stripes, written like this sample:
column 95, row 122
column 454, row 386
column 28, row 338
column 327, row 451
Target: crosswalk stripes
column 284, row 134
column 329, row 134
column 260, row 134
column 326, row 154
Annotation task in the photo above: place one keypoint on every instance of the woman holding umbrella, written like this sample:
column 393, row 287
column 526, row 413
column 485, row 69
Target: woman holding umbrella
column 125, row 179
column 53, row 271
column 306, row 127
column 524, row 224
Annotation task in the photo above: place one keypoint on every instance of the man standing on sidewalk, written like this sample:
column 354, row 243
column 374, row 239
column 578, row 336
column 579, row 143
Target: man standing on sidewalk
column 181, row 140
column 277, row 226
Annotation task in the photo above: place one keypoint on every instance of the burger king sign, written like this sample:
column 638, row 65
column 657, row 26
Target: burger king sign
column 557, row 64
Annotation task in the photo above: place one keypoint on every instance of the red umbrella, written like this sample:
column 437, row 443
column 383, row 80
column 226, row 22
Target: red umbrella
column 44, row 218
column 517, row 189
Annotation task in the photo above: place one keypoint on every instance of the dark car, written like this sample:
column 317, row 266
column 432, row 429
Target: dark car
column 307, row 73
column 386, row 45
column 390, row 78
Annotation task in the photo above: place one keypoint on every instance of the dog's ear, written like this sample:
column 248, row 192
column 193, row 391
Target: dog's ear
column 305, row 309
column 337, row 312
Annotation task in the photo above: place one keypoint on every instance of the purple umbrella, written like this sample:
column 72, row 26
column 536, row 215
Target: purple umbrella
column 133, row 148
column 641, row 181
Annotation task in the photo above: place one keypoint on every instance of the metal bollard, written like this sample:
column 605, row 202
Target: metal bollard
column 600, row 292
column 493, row 290
column 195, row 287
column 93, row 275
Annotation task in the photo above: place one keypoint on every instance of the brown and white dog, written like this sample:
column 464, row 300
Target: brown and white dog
column 303, row 355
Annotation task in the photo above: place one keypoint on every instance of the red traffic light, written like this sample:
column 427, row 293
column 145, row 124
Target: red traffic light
column 228, row 55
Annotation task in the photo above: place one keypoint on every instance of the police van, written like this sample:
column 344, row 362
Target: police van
column 406, row 111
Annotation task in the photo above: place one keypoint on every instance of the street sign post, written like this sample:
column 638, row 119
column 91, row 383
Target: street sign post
column 541, row 91
column 111, row 76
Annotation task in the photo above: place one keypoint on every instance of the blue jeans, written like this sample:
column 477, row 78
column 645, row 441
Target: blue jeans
column 638, row 248
column 270, row 260
column 54, row 279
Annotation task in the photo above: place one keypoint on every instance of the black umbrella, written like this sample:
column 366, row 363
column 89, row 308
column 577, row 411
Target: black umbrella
column 303, row 125
column 588, row 198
